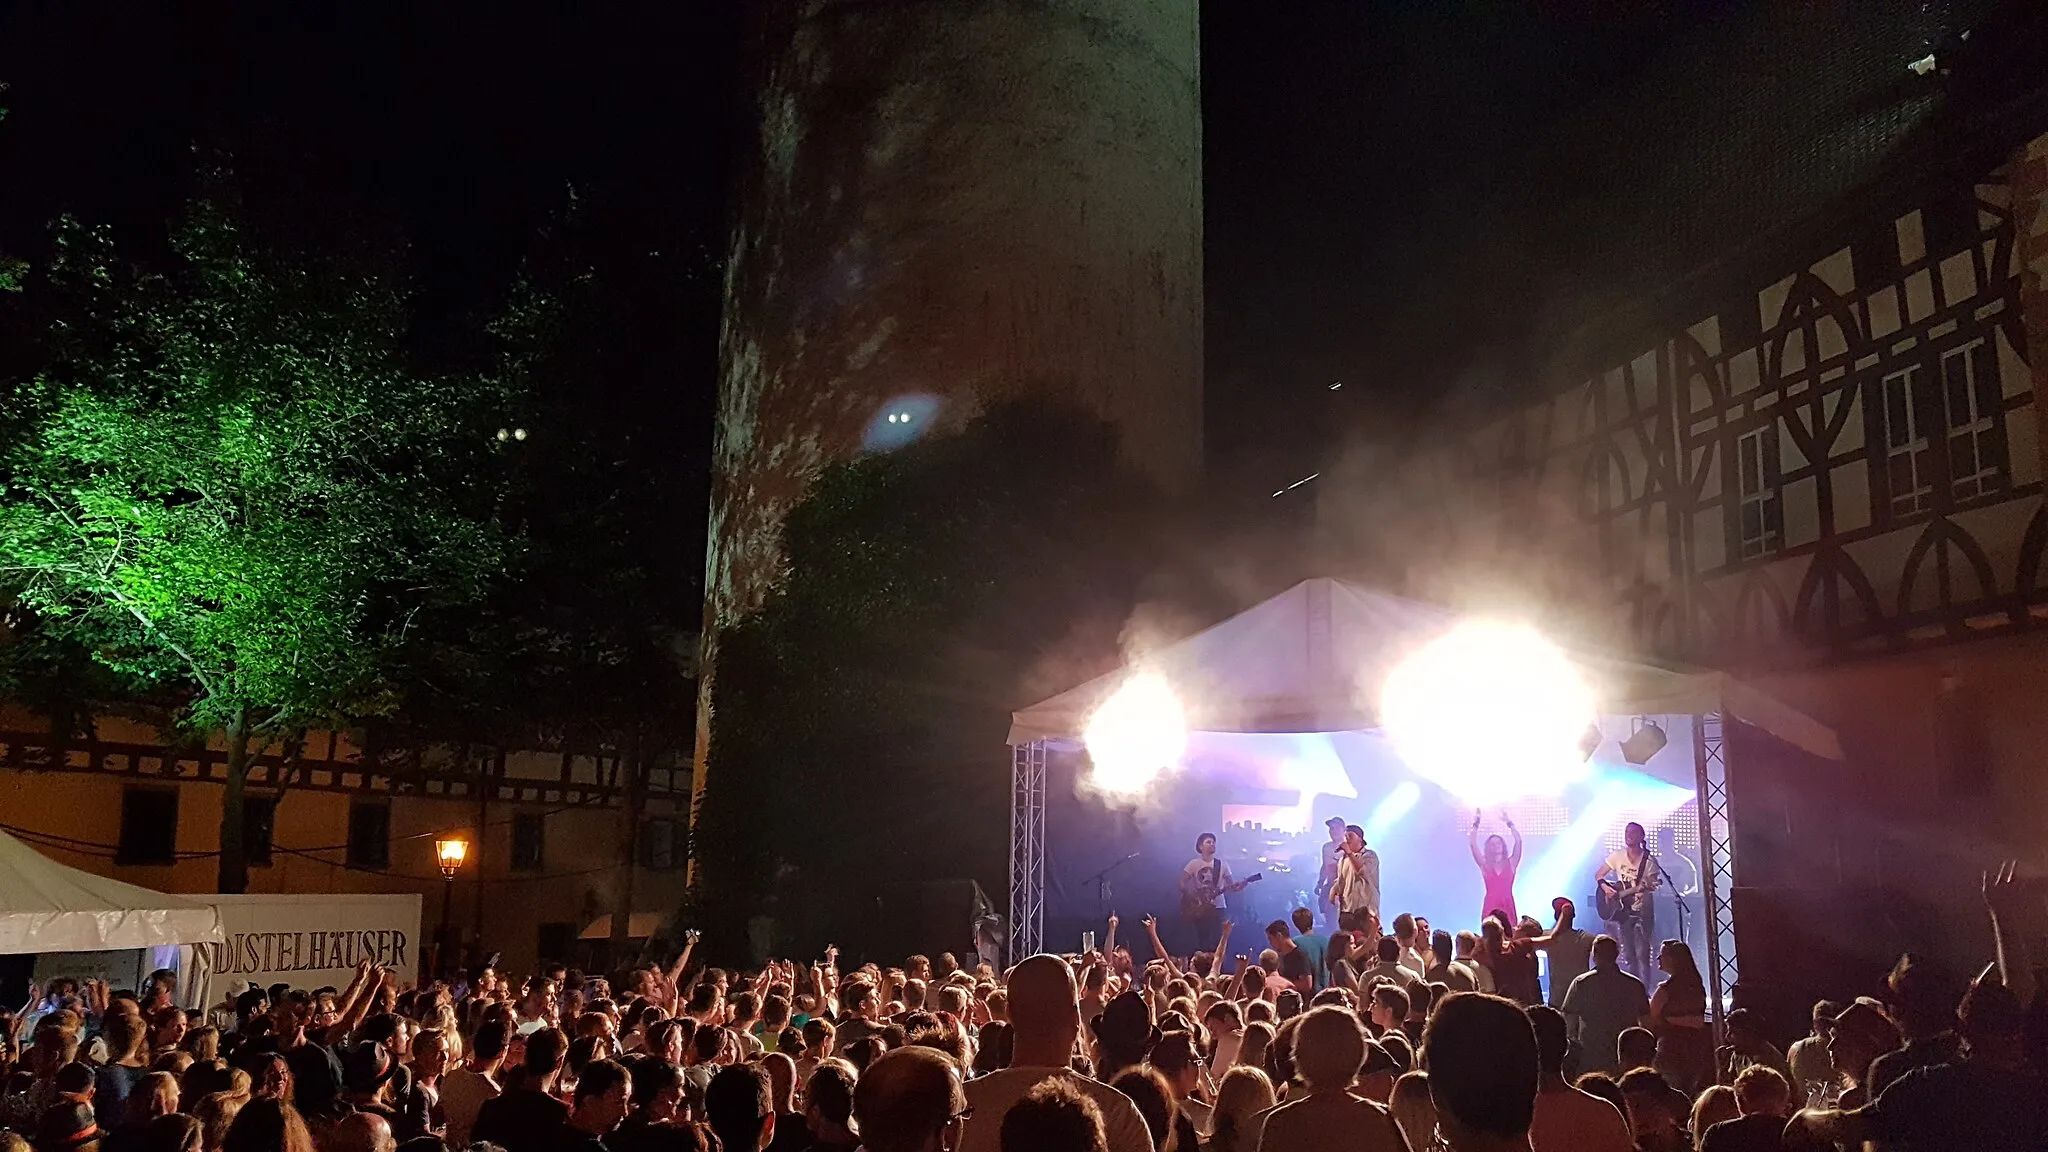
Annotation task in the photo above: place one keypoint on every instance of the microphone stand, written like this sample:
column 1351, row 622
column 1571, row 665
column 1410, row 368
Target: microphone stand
column 1103, row 890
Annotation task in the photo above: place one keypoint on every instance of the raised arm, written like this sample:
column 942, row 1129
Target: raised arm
column 2003, row 900
column 1109, row 940
column 1514, row 850
column 1472, row 841
column 1222, row 946
column 675, row 973
column 1158, row 948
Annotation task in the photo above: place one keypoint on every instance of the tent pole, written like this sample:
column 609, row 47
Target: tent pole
column 1717, row 858
column 1027, row 849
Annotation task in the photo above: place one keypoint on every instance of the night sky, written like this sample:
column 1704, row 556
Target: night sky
column 1397, row 192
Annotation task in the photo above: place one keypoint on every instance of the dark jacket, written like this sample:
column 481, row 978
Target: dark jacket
column 522, row 1120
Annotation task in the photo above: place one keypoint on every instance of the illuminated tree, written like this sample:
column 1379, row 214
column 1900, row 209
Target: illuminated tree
column 231, row 485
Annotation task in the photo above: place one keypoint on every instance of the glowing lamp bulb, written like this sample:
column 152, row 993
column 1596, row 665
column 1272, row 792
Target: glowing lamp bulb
column 1136, row 734
column 450, row 854
column 1491, row 712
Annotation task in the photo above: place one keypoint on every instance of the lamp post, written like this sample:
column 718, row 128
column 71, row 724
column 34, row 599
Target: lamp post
column 449, row 852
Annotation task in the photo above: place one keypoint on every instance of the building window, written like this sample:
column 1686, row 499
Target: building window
column 149, row 826
column 259, row 822
column 1970, row 395
column 529, row 841
column 1909, row 455
column 658, row 844
column 1761, row 520
column 369, row 834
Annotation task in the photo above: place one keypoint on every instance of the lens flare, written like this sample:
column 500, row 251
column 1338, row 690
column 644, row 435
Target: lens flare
column 1136, row 734
column 1489, row 711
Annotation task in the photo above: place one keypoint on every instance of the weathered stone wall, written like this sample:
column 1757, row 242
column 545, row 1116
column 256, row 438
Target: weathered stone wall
column 954, row 201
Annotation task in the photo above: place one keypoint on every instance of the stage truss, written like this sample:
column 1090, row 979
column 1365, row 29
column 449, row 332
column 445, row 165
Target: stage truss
column 1717, row 852
column 1717, row 856
column 1027, row 849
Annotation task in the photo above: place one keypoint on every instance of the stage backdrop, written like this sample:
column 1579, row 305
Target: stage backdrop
column 305, row 941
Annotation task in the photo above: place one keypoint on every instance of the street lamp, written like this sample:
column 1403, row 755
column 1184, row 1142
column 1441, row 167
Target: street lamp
column 449, row 853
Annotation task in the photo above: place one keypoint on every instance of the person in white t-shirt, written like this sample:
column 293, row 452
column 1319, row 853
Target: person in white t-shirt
column 1636, row 871
column 1045, row 1018
column 1203, row 883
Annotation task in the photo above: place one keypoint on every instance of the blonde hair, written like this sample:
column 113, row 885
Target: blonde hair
column 215, row 1113
column 1244, row 1091
column 1414, row 1112
column 1714, row 1105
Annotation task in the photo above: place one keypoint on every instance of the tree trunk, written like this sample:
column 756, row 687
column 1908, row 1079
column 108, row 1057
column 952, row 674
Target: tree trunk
column 234, row 861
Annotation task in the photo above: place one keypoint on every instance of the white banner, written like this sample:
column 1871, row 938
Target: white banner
column 305, row 941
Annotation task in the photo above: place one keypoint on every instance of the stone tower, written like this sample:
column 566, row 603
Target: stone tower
column 951, row 201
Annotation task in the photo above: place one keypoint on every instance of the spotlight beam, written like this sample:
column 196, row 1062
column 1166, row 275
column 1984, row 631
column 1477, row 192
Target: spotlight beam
column 1490, row 712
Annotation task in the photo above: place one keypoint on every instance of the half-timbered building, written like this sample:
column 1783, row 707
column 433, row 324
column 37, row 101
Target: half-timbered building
column 1821, row 463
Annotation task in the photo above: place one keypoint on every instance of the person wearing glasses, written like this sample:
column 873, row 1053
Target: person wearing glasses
column 911, row 1100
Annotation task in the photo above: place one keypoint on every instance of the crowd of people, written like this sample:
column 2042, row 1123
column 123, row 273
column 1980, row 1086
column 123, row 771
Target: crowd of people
column 1325, row 1042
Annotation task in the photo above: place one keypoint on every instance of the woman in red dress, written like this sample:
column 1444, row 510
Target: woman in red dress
column 1497, row 866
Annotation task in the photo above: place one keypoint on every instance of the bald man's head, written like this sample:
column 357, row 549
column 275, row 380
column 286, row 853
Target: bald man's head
column 364, row 1132
column 1044, row 1011
column 907, row 1097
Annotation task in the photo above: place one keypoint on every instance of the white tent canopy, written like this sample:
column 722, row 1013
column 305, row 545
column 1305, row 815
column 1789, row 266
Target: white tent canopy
column 50, row 907
column 1311, row 658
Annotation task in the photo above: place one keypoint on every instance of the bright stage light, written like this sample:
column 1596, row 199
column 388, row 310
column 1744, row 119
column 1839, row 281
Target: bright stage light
column 1136, row 734
column 1491, row 712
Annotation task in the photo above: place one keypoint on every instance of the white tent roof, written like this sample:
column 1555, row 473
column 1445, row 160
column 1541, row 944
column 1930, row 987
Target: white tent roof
column 1293, row 663
column 50, row 907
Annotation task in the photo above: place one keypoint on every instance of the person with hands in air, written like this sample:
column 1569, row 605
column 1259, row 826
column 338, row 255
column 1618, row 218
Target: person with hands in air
column 1498, row 864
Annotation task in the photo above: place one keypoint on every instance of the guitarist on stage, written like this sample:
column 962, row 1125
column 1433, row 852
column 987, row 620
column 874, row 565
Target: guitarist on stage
column 1626, row 905
column 1203, row 884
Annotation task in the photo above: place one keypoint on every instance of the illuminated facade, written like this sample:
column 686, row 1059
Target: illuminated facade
column 548, row 833
column 951, row 203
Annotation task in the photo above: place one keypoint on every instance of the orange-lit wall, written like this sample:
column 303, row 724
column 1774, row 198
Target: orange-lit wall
column 577, row 883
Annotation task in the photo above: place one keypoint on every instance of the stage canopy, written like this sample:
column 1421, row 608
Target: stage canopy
column 1295, row 663
column 50, row 907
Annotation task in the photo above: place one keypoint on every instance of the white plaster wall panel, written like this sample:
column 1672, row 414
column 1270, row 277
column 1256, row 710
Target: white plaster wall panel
column 1912, row 242
column 1882, row 558
column 1919, row 296
column 1802, row 512
column 2015, row 378
column 1850, row 438
column 1828, row 333
column 1709, row 540
column 1771, row 302
column 1850, row 485
column 1883, row 312
column 1614, row 387
column 1744, row 375
column 1836, row 271
column 1998, row 530
column 2023, row 433
column 1958, row 277
column 1645, row 375
column 1792, row 352
column 1708, row 333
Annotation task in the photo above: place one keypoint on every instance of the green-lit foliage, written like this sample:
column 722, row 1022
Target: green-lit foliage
column 230, row 485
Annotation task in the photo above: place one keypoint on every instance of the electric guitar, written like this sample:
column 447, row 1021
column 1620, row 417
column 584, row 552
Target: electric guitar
column 1194, row 901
